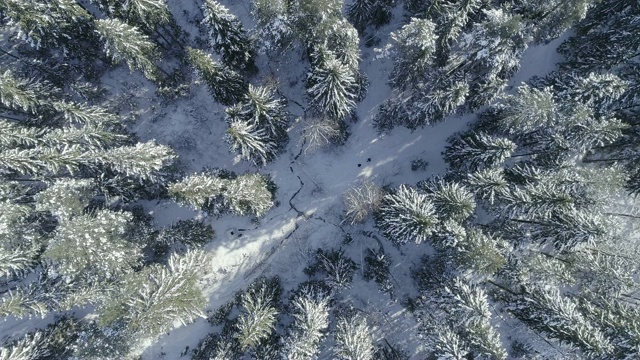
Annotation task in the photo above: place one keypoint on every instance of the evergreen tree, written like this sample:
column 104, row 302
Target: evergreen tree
column 311, row 15
column 275, row 25
column 79, row 113
column 126, row 43
column 142, row 160
column 225, row 85
column 150, row 301
column 29, row 347
column 353, row 339
column 21, row 94
column 66, row 198
column 595, row 47
column 492, row 50
column 228, row 37
column 331, row 88
column 322, row 131
column 448, row 345
column 243, row 195
column 407, row 215
column 16, row 262
column 454, row 18
column 480, row 253
column 476, row 151
column 43, row 160
column 559, row 317
column 453, row 201
column 93, row 246
column 259, row 317
column 436, row 104
column 471, row 305
column 197, row 190
column 488, row 184
column 528, row 110
column 252, row 143
column 249, row 194
column 363, row 13
column 551, row 18
column 619, row 321
column 544, row 198
column 415, row 51
column 47, row 24
column 262, row 108
column 311, row 320
column 151, row 13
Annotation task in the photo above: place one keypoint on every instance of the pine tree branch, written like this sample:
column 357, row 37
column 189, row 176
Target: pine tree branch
column 622, row 215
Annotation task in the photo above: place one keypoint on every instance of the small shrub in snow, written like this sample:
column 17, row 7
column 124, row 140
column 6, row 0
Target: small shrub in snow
column 361, row 201
column 419, row 165
column 321, row 132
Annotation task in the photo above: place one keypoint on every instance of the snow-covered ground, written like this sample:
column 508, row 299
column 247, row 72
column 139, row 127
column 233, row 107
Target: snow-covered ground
column 310, row 188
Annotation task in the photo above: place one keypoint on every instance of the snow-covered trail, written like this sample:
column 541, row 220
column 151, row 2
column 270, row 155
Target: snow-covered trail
column 310, row 189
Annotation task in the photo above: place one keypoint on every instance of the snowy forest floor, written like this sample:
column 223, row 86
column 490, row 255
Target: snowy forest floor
column 310, row 190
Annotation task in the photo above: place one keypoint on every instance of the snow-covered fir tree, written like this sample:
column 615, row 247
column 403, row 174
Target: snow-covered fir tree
column 31, row 346
column 353, row 338
column 23, row 94
column 258, row 319
column 554, row 17
column 311, row 320
column 487, row 184
column 476, row 151
column 332, row 87
column 257, row 125
column 559, row 317
column 249, row 194
column 472, row 308
column 228, row 37
column 225, row 85
column 275, row 28
column 46, row 24
column 106, row 255
column 126, row 43
column 453, row 20
column 142, row 160
column 148, row 14
column 415, row 46
column 150, row 301
column 407, row 215
column 243, row 195
column 453, row 201
column 363, row 13
column 66, row 198
column 528, row 110
column 251, row 142
column 263, row 108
